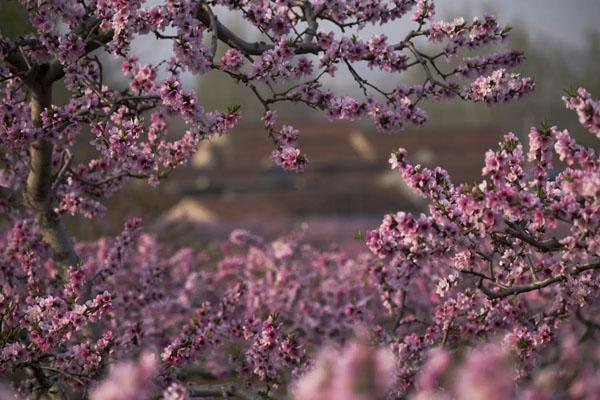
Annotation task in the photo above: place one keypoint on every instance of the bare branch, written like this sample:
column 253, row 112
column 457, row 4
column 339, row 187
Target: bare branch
column 217, row 390
column 311, row 19
column 515, row 290
column 213, row 27
column 66, row 163
column 545, row 246
column 248, row 48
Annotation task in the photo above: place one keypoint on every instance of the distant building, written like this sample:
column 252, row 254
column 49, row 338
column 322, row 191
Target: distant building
column 232, row 177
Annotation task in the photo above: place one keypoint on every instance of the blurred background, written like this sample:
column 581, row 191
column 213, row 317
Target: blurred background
column 348, row 186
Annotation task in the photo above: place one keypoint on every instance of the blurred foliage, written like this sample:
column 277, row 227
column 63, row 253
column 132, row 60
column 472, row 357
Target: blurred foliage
column 13, row 19
column 14, row 23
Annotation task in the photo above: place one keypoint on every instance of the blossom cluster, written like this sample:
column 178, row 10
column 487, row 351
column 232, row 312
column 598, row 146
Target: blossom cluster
column 499, row 87
column 275, row 302
column 515, row 252
column 588, row 109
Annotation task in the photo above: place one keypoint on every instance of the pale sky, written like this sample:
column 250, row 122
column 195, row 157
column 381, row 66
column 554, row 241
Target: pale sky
column 562, row 21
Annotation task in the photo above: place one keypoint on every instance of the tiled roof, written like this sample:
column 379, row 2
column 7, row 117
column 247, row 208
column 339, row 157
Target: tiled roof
column 348, row 174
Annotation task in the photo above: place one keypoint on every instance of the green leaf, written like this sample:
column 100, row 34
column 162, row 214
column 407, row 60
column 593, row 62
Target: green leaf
column 545, row 125
column 234, row 108
column 570, row 91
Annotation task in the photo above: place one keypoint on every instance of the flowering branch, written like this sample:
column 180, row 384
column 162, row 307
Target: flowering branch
column 516, row 290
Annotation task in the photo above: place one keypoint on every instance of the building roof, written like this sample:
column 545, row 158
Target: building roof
column 233, row 178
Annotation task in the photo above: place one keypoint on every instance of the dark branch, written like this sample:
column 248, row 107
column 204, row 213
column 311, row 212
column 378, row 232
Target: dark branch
column 249, row 48
column 545, row 246
column 515, row 290
column 223, row 390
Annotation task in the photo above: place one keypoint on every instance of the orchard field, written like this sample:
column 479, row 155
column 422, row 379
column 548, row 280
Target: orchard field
column 481, row 287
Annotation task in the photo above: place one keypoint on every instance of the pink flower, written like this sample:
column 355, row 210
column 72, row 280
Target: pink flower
column 269, row 119
column 485, row 375
column 232, row 60
column 462, row 260
column 175, row 392
column 425, row 9
column 438, row 363
column 289, row 158
column 499, row 87
column 288, row 136
column 588, row 110
column 143, row 81
column 358, row 372
column 128, row 380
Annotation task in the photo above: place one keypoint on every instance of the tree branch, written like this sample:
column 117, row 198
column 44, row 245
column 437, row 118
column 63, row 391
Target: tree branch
column 545, row 246
column 218, row 390
column 47, row 389
column 515, row 290
column 311, row 19
column 249, row 48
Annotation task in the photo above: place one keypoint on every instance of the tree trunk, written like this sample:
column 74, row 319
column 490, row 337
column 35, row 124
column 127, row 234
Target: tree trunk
column 38, row 193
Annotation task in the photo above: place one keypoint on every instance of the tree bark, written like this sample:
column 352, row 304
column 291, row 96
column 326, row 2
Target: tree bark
column 38, row 193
